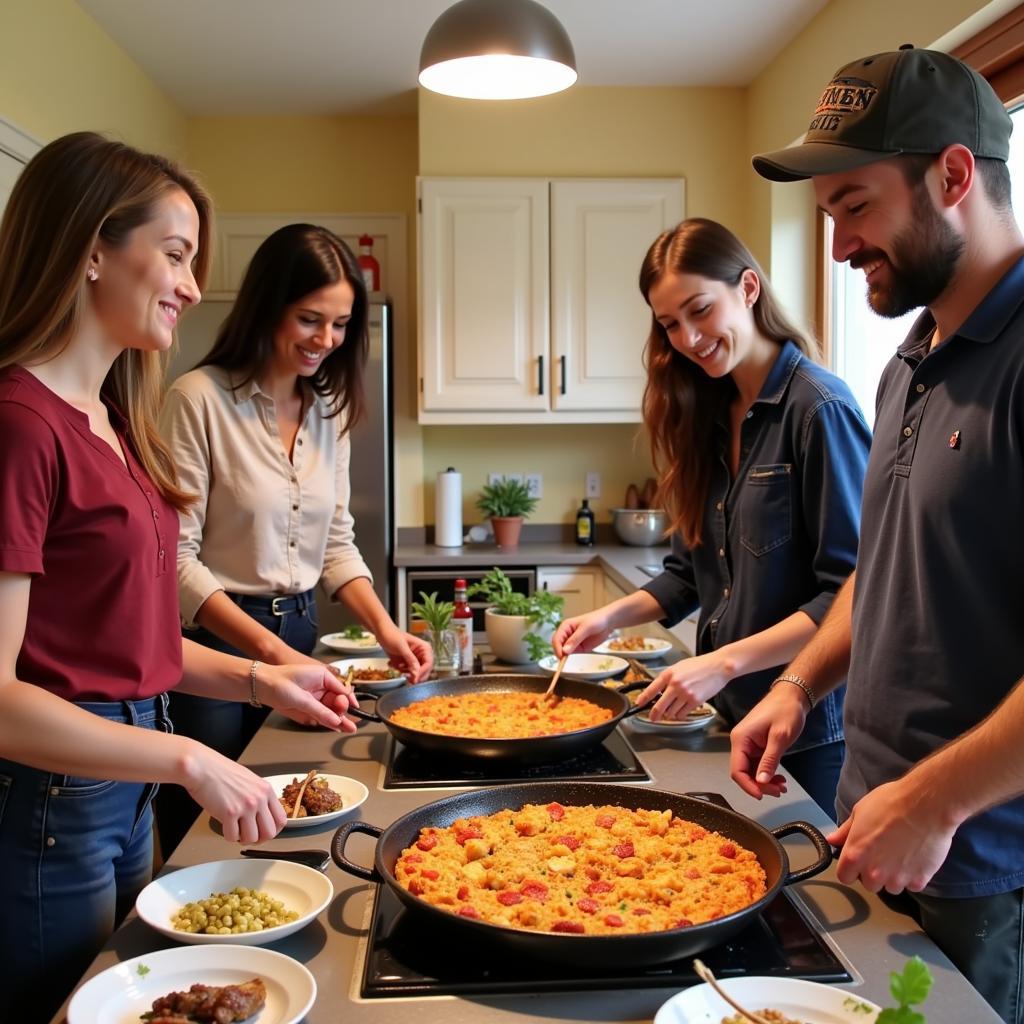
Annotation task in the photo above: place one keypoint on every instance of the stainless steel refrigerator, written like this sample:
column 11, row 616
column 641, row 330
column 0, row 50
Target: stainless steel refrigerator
column 371, row 467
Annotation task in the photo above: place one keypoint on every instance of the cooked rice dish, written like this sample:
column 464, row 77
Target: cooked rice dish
column 583, row 870
column 497, row 715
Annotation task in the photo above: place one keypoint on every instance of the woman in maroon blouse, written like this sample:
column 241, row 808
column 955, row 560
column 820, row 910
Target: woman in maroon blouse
column 101, row 249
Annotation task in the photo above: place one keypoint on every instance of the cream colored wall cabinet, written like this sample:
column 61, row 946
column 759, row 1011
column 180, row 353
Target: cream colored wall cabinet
column 580, row 588
column 529, row 310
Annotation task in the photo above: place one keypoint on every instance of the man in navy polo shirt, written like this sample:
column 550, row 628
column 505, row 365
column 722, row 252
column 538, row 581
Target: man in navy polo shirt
column 907, row 153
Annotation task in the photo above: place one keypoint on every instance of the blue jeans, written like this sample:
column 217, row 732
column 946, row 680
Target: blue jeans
column 224, row 725
column 74, row 854
column 817, row 770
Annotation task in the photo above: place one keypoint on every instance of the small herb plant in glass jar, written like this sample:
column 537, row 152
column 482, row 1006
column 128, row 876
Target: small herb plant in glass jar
column 442, row 638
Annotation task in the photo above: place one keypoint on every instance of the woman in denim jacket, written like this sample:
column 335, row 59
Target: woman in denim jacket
column 760, row 454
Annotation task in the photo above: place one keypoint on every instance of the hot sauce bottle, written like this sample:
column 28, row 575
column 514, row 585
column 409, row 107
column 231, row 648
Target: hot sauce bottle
column 462, row 623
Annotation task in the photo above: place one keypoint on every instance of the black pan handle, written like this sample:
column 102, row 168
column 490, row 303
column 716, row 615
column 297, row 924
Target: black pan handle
column 806, row 829
column 629, row 688
column 339, row 842
column 366, row 716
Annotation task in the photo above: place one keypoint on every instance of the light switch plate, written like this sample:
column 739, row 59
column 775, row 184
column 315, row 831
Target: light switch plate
column 535, row 485
column 593, row 485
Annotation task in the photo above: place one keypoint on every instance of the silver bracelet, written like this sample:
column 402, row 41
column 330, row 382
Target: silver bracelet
column 788, row 677
column 253, row 700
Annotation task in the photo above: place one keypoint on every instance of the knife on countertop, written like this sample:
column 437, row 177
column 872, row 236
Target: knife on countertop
column 316, row 859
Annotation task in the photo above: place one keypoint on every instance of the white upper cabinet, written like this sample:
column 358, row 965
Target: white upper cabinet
column 529, row 307
column 484, row 295
column 600, row 232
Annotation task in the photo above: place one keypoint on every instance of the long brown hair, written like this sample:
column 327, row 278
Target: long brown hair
column 290, row 264
column 78, row 190
column 682, row 403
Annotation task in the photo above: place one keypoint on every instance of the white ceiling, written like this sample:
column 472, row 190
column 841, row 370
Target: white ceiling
column 361, row 56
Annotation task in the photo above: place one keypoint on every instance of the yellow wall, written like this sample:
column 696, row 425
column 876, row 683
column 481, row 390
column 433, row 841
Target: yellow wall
column 780, row 217
column 59, row 72
column 696, row 134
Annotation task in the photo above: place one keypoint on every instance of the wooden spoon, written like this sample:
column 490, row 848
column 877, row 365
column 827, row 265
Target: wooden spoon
column 549, row 693
column 704, row 973
column 310, row 776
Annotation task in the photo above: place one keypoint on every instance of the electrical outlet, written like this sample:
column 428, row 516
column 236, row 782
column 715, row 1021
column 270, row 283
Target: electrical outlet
column 535, row 485
column 495, row 478
column 593, row 487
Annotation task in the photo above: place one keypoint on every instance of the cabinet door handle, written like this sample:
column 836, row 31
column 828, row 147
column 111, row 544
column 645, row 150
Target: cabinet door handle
column 561, row 366
column 540, row 375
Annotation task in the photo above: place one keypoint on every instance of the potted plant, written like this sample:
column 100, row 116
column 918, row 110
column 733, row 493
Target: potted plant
column 442, row 638
column 519, row 626
column 506, row 503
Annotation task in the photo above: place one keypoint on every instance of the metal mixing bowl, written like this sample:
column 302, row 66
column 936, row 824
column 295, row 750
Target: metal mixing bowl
column 643, row 528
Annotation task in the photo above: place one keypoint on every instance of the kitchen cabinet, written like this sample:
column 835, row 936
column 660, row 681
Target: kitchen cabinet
column 578, row 586
column 529, row 310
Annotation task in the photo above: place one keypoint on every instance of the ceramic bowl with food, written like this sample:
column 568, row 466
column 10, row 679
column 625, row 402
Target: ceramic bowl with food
column 588, row 667
column 370, row 673
column 350, row 792
column 177, row 896
column 351, row 642
column 699, row 718
column 641, row 648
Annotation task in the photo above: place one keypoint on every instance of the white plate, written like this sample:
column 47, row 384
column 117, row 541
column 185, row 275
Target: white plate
column 378, row 663
column 366, row 644
column 654, row 648
column 299, row 888
column 122, row 993
column 589, row 667
column 799, row 1000
column 692, row 723
column 352, row 794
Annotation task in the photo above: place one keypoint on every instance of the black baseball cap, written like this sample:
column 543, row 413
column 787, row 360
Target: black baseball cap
column 903, row 101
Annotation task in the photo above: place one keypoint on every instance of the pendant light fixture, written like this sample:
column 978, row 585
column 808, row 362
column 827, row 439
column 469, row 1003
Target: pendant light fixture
column 497, row 50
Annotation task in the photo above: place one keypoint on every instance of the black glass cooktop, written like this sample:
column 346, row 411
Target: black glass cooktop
column 781, row 942
column 614, row 760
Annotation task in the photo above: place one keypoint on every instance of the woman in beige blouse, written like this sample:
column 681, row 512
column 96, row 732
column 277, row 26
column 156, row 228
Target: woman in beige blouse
column 259, row 431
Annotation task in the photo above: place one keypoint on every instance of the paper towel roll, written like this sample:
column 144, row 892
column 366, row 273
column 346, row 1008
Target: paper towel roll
column 448, row 509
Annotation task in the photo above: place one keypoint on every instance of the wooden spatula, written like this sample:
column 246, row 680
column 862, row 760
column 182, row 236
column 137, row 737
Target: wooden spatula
column 549, row 693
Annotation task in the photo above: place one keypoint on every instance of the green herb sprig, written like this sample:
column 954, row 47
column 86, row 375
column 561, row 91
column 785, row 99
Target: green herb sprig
column 909, row 987
column 353, row 632
column 436, row 614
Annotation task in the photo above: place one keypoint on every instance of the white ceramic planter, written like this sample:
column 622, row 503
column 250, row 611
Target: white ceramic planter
column 505, row 635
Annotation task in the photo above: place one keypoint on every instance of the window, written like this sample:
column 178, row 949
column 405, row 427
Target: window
column 861, row 341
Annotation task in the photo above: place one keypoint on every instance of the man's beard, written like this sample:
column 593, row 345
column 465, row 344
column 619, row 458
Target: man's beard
column 924, row 259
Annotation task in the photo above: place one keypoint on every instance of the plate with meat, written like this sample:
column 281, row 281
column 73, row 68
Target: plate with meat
column 324, row 798
column 642, row 648
column 370, row 673
column 192, row 985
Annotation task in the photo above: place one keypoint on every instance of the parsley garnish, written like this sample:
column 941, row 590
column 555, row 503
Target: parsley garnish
column 142, row 970
column 909, row 988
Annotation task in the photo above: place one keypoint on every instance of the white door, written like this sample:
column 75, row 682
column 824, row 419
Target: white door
column 484, row 295
column 600, row 232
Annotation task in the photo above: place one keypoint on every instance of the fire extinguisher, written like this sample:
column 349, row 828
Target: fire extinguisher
column 368, row 263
